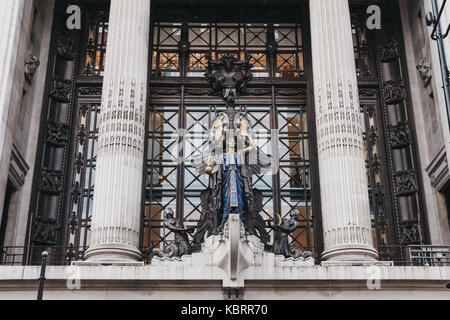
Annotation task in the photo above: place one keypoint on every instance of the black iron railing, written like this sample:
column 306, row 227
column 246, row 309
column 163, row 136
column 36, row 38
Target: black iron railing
column 432, row 256
column 11, row 256
column 57, row 256
column 416, row 255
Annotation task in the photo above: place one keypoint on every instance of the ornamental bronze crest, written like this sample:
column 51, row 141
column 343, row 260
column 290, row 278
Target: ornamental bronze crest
column 229, row 76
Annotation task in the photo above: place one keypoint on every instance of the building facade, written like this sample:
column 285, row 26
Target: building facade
column 105, row 104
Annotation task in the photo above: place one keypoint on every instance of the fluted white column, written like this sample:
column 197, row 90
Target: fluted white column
column 344, row 189
column 10, row 23
column 116, row 215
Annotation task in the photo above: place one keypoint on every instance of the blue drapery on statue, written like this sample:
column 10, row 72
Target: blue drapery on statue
column 232, row 187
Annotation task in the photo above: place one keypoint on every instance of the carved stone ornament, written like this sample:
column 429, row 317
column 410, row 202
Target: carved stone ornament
column 439, row 172
column 32, row 63
column 230, row 253
column 18, row 168
column 425, row 72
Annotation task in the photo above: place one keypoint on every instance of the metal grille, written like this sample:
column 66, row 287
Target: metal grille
column 84, row 179
column 191, row 44
column 295, row 170
column 161, row 187
column 363, row 52
column 95, row 45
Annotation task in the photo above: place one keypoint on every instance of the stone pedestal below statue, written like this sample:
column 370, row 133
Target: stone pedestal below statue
column 235, row 254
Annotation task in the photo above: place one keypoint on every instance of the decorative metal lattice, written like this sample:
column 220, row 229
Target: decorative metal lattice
column 274, row 50
column 84, row 179
column 363, row 52
column 95, row 45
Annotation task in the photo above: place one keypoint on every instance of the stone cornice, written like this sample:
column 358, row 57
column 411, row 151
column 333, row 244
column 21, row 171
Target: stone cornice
column 175, row 282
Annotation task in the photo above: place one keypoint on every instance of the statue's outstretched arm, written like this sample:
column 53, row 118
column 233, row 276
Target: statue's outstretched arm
column 251, row 144
column 173, row 227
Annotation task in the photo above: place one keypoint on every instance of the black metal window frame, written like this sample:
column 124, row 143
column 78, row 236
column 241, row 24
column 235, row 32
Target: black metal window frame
column 178, row 185
column 183, row 91
column 182, row 48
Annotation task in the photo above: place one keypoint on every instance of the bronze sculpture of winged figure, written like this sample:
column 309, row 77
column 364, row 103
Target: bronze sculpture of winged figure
column 232, row 158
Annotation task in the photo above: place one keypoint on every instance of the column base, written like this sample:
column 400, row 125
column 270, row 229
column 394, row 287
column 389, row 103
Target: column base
column 107, row 264
column 109, row 253
column 361, row 254
column 357, row 263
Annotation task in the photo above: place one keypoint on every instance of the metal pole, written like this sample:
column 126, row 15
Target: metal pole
column 435, row 20
column 42, row 277
column 437, row 17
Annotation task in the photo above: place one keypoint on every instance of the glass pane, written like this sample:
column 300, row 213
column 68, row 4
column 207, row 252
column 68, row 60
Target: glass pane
column 287, row 65
column 200, row 36
column 228, row 37
column 286, row 37
column 169, row 36
column 259, row 64
column 169, row 64
column 198, row 64
column 256, row 37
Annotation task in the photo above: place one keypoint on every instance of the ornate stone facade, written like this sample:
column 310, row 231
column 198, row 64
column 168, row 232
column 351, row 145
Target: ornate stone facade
column 406, row 130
